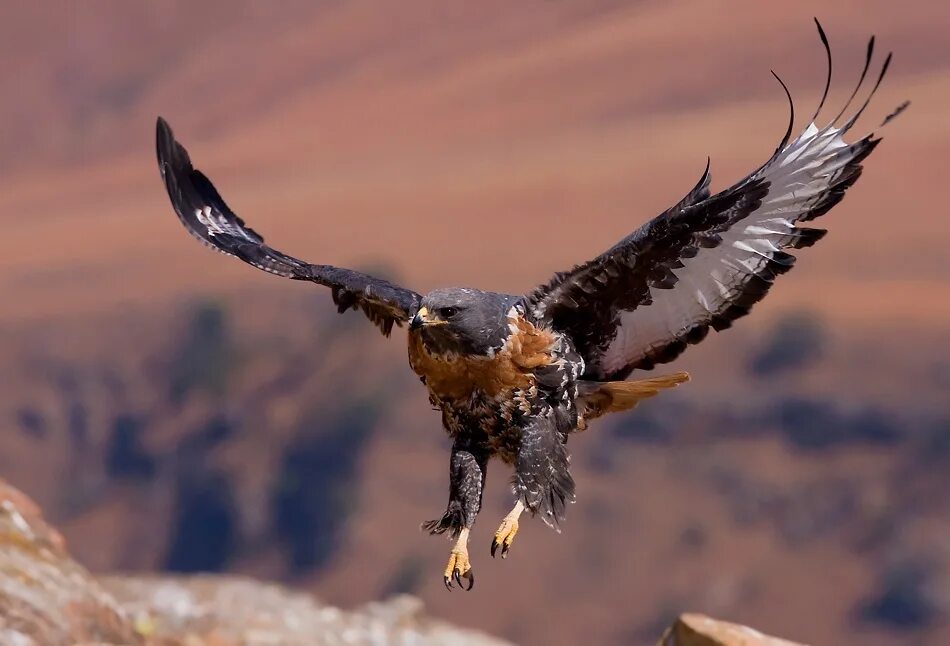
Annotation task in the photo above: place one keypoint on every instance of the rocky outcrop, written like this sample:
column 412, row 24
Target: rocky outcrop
column 700, row 630
column 225, row 611
column 47, row 599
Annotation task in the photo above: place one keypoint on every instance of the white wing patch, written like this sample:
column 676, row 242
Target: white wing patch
column 217, row 223
column 799, row 178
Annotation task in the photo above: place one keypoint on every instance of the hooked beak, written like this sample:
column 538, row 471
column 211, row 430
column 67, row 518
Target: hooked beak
column 419, row 319
column 422, row 319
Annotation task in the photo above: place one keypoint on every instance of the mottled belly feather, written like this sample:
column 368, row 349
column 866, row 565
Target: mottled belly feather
column 486, row 393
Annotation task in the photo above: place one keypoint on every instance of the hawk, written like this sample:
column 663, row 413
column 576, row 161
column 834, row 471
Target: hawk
column 515, row 376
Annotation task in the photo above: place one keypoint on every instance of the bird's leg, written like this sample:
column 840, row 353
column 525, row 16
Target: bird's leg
column 466, row 481
column 459, row 566
column 505, row 535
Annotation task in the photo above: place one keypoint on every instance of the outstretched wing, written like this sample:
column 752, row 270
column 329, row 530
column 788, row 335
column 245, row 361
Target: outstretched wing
column 707, row 260
column 206, row 216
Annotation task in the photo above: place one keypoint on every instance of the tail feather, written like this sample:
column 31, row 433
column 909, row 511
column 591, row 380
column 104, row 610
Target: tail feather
column 602, row 397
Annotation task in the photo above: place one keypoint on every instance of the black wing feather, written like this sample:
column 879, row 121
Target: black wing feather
column 207, row 217
column 706, row 261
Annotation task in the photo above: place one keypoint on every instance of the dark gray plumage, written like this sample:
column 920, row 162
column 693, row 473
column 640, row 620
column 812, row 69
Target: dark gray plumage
column 479, row 320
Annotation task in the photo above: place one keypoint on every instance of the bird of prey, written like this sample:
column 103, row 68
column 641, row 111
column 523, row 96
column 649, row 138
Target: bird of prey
column 515, row 376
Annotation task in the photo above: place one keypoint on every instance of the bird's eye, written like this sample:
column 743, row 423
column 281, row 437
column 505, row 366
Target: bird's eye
column 448, row 312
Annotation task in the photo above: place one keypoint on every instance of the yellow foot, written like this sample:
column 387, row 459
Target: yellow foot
column 459, row 566
column 507, row 531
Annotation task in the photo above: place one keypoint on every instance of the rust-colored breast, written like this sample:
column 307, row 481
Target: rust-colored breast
column 455, row 377
column 529, row 346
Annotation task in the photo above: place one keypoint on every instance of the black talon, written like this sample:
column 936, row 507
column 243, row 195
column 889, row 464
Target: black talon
column 448, row 583
column 470, row 575
column 458, row 579
column 494, row 547
column 504, row 550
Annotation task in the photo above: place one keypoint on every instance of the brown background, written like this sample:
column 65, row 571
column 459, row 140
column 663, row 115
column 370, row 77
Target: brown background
column 173, row 409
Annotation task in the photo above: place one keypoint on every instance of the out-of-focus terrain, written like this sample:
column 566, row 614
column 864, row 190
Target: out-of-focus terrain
column 48, row 599
column 174, row 410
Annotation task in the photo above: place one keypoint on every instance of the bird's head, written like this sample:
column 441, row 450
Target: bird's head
column 462, row 321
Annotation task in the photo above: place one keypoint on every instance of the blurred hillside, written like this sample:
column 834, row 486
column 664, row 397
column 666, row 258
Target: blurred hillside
column 269, row 437
column 48, row 599
column 173, row 410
